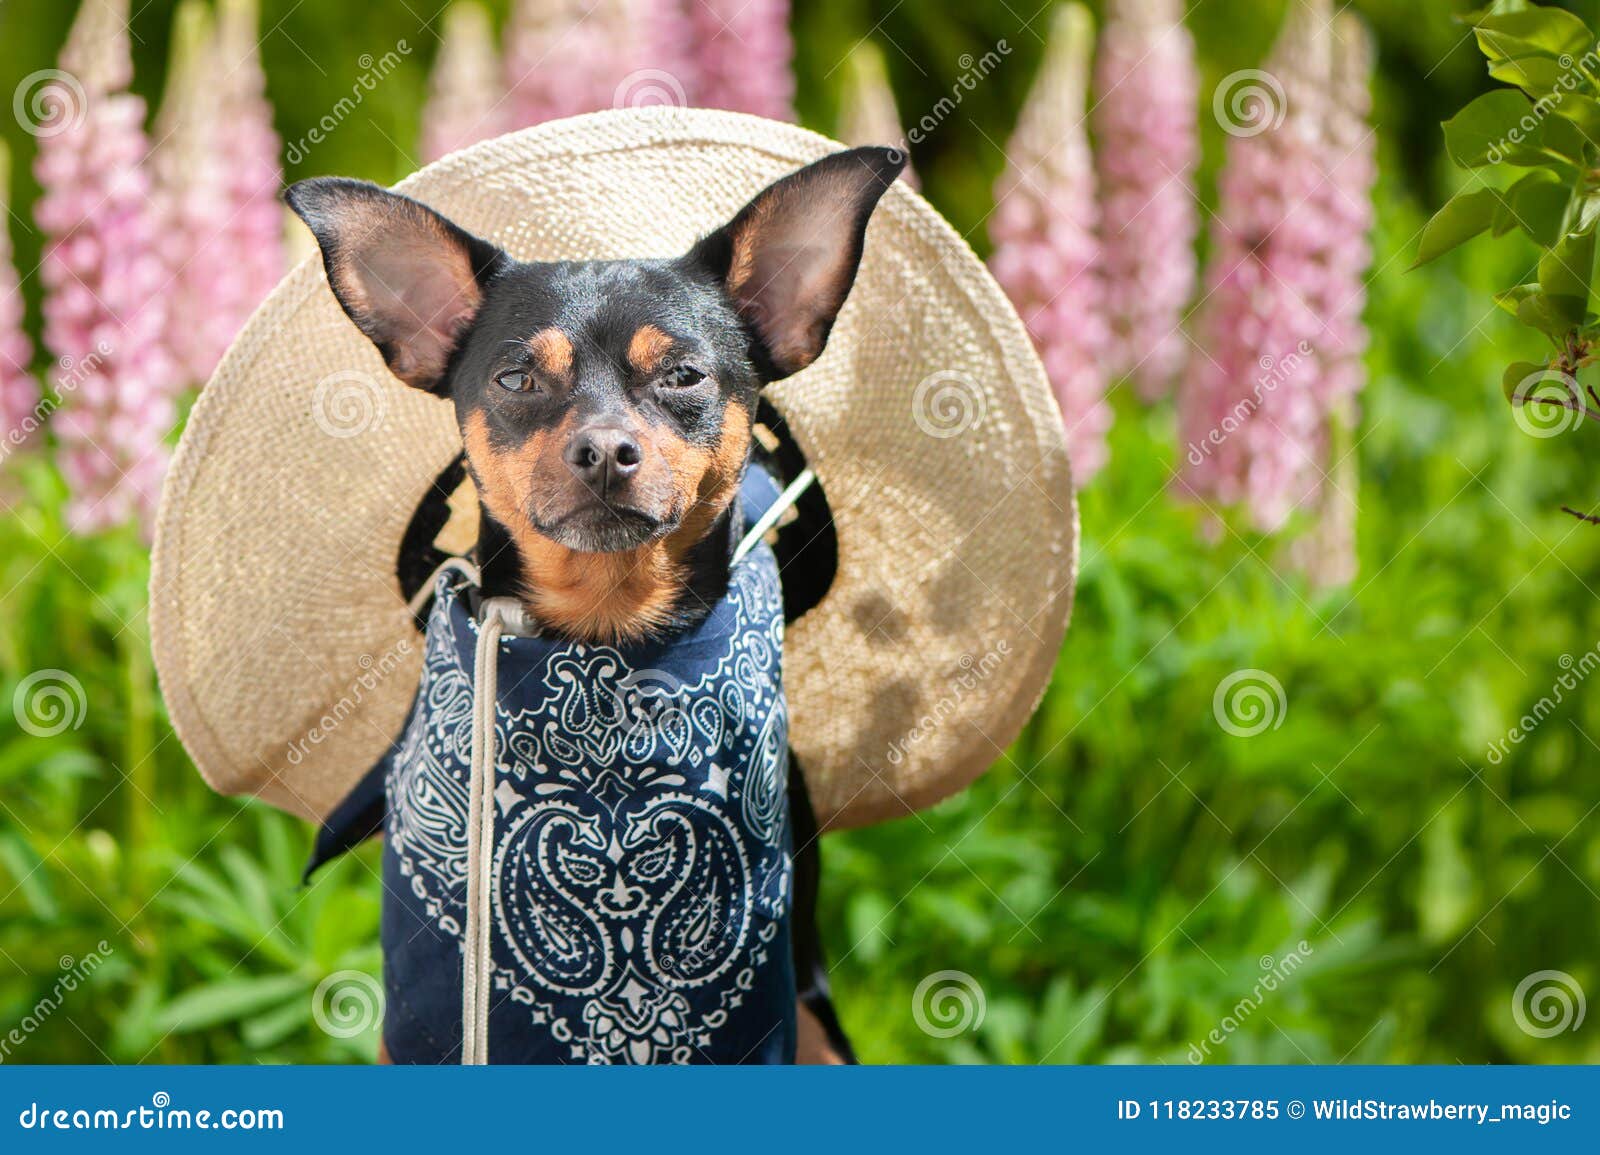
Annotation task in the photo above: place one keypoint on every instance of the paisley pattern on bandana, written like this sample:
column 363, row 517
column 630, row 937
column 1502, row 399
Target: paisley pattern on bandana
column 641, row 868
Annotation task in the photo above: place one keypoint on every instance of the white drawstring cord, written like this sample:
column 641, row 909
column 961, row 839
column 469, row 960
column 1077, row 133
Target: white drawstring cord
column 767, row 520
column 501, row 616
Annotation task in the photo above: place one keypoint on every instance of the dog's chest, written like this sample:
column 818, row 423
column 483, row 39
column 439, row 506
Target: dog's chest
column 640, row 849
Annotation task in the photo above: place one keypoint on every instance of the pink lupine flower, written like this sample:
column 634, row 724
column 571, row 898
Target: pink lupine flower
column 1147, row 147
column 103, row 278
column 743, row 56
column 1353, row 168
column 1046, row 255
column 568, row 56
column 867, row 111
column 253, row 243
column 19, row 392
column 1251, row 420
column 1328, row 553
column 464, row 91
column 191, row 201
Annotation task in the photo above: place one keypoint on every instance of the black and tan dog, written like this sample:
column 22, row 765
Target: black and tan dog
column 607, row 408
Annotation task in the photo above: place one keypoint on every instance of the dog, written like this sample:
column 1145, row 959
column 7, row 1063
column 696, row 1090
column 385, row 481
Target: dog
column 608, row 411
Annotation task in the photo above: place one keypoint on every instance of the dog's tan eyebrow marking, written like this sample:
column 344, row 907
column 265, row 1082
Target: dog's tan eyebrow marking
column 647, row 348
column 552, row 351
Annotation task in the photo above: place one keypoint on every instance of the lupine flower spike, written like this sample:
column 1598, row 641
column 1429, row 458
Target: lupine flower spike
column 743, row 56
column 19, row 392
column 191, row 198
column 1146, row 149
column 565, row 57
column 1327, row 554
column 104, row 279
column 249, row 153
column 867, row 112
column 1250, row 416
column 1046, row 255
column 464, row 91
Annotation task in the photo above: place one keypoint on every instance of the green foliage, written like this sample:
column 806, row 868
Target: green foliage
column 1116, row 883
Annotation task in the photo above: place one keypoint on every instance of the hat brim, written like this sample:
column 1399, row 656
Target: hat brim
column 285, row 650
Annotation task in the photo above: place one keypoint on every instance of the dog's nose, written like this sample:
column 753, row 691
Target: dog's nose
column 603, row 456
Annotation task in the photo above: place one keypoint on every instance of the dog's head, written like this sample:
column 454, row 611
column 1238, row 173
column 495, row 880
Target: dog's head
column 604, row 405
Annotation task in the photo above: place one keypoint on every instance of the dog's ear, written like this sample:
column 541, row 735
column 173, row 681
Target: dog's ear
column 410, row 279
column 789, row 257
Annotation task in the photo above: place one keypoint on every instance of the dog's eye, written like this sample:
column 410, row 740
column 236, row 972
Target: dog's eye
column 515, row 380
column 682, row 376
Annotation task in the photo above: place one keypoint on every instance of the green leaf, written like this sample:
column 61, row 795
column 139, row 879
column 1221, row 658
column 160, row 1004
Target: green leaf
column 1463, row 217
column 1545, row 29
column 1583, row 111
column 1535, row 73
column 1537, row 204
column 1513, row 297
column 1511, row 381
column 1488, row 127
column 1564, row 274
column 230, row 1000
column 1554, row 317
column 1593, row 299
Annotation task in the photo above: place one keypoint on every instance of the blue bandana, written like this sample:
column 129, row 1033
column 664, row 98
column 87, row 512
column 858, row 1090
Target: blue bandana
column 641, row 894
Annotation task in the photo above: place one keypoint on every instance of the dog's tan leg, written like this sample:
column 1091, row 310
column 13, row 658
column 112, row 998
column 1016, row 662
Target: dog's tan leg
column 811, row 1042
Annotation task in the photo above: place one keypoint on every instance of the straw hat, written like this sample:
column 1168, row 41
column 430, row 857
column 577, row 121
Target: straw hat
column 285, row 648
